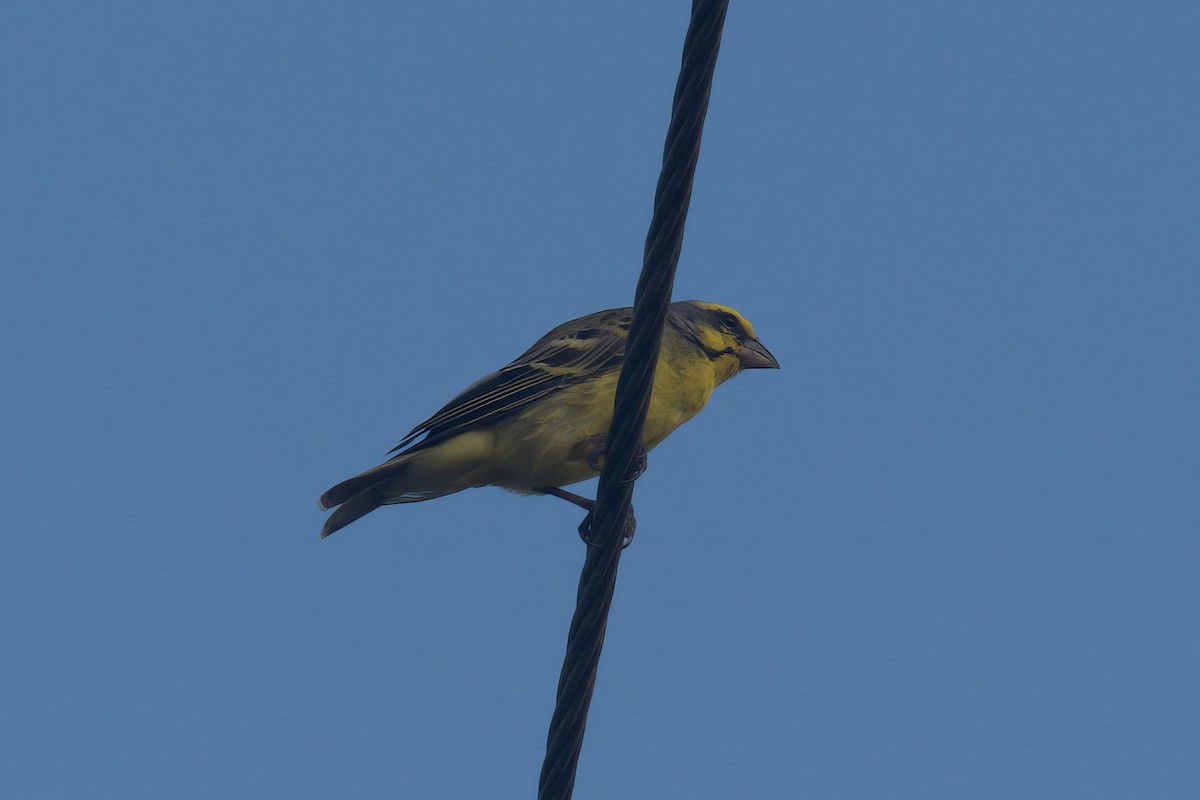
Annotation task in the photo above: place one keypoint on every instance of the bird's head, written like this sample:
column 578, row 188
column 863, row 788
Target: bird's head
column 724, row 335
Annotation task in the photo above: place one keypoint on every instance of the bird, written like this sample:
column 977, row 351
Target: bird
column 539, row 423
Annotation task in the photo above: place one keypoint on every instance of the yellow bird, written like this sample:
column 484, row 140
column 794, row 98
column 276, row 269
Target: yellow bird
column 540, row 423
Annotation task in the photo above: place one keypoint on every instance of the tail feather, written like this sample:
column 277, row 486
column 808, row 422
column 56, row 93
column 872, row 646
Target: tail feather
column 352, row 486
column 386, row 484
column 357, row 506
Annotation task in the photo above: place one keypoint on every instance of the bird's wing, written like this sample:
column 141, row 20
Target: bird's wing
column 573, row 352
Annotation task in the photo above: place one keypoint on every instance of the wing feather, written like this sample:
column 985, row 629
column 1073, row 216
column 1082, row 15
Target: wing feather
column 575, row 351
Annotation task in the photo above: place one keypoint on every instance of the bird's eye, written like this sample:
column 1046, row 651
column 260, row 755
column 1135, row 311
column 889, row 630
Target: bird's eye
column 729, row 322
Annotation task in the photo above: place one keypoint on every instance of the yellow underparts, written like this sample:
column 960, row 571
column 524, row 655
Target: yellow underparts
column 549, row 443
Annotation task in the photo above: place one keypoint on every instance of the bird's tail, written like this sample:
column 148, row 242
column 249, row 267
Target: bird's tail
column 357, row 506
column 360, row 495
column 350, row 487
column 391, row 482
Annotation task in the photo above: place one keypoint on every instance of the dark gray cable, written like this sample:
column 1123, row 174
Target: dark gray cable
column 614, row 495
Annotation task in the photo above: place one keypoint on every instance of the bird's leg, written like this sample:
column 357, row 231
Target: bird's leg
column 583, row 502
column 585, row 527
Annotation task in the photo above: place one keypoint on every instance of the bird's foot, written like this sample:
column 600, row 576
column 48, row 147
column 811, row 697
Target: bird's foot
column 595, row 456
column 595, row 451
column 585, row 529
column 589, row 505
column 640, row 463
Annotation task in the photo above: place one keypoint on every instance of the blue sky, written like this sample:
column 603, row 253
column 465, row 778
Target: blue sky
column 950, row 550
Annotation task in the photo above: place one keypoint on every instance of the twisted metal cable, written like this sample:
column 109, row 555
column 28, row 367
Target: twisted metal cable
column 624, row 443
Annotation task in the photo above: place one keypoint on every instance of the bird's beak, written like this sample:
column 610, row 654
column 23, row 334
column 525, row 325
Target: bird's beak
column 754, row 356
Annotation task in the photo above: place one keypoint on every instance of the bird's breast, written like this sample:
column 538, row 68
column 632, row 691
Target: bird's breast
column 680, row 392
column 556, row 442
